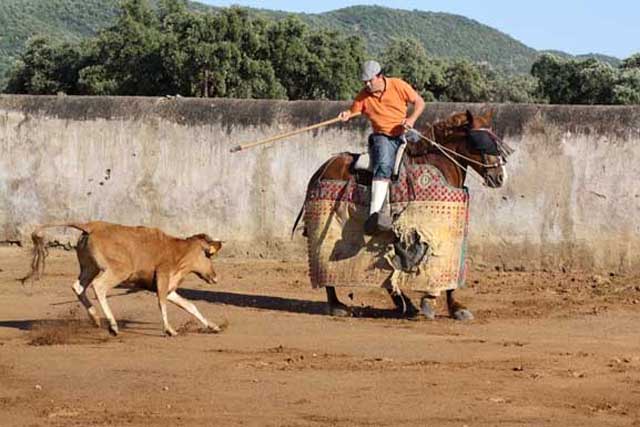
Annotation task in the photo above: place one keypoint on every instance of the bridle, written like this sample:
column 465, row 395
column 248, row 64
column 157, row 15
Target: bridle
column 503, row 150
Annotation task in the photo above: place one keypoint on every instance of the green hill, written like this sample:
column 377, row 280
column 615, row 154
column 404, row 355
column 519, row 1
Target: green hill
column 603, row 58
column 442, row 34
column 68, row 20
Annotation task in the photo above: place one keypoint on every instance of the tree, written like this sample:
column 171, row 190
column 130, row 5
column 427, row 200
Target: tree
column 333, row 67
column 129, row 51
column 517, row 89
column 596, row 80
column 223, row 55
column 406, row 58
column 553, row 79
column 465, row 83
column 46, row 68
column 627, row 88
column 631, row 62
column 574, row 82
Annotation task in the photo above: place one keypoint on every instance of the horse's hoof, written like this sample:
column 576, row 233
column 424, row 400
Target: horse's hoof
column 410, row 313
column 462, row 314
column 404, row 306
column 113, row 330
column 338, row 310
column 427, row 310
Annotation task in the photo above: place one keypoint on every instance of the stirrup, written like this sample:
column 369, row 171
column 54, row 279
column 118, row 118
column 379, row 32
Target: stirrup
column 377, row 223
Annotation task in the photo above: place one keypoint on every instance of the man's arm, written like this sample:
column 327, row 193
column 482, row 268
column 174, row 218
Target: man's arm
column 356, row 108
column 418, row 108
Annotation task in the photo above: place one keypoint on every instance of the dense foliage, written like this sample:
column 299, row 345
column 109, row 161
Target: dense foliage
column 64, row 20
column 589, row 81
column 167, row 48
column 171, row 50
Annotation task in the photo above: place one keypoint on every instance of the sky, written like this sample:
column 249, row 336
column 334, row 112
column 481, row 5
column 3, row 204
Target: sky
column 610, row 27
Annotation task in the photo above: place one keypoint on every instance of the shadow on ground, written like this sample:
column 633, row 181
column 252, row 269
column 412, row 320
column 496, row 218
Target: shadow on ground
column 267, row 302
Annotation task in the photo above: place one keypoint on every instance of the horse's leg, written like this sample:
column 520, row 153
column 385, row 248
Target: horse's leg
column 403, row 304
column 334, row 306
column 427, row 306
column 457, row 310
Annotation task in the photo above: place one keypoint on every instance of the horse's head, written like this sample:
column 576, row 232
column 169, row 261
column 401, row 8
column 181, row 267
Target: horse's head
column 486, row 149
column 469, row 141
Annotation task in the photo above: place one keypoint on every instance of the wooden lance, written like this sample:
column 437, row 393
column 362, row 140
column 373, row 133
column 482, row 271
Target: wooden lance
column 287, row 134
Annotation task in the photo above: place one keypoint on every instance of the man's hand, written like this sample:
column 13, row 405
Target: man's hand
column 408, row 122
column 345, row 115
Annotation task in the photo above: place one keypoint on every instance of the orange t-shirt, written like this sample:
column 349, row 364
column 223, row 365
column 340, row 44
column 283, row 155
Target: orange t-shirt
column 386, row 109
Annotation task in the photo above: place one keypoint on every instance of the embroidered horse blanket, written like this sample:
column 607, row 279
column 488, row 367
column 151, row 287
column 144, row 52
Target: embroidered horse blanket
column 425, row 252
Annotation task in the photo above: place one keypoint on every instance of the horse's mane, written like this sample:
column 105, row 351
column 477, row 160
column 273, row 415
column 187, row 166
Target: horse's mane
column 454, row 123
column 441, row 131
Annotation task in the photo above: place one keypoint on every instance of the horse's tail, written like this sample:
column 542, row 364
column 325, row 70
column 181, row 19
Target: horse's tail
column 39, row 253
column 295, row 224
column 315, row 178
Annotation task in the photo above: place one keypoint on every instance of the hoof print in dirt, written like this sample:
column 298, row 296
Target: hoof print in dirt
column 338, row 311
column 463, row 315
column 193, row 327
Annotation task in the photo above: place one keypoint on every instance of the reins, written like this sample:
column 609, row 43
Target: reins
column 445, row 151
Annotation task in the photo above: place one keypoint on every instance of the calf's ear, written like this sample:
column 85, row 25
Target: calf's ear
column 213, row 248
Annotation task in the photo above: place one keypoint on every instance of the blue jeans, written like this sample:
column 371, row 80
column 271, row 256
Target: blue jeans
column 382, row 149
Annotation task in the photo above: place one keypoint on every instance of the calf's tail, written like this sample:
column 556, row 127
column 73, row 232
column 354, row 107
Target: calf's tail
column 40, row 252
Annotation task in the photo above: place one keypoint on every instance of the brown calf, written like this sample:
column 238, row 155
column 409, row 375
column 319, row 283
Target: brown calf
column 110, row 254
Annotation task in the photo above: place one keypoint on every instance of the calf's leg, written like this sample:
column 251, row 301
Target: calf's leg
column 101, row 285
column 81, row 293
column 164, row 284
column 189, row 307
column 80, row 289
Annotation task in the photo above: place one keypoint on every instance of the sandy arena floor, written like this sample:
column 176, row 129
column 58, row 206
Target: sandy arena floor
column 546, row 349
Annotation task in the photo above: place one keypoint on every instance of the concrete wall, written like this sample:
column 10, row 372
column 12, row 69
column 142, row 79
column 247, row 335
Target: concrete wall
column 572, row 200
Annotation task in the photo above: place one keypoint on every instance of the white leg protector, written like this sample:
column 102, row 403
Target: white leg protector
column 379, row 190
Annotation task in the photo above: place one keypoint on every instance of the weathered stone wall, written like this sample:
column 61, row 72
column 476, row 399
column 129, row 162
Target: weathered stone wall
column 572, row 199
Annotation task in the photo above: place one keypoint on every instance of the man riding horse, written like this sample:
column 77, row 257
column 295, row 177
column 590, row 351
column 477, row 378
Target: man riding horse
column 384, row 100
column 420, row 246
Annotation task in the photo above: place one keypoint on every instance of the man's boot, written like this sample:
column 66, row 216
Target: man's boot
column 378, row 220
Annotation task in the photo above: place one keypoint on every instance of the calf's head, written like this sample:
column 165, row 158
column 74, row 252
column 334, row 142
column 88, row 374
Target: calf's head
column 201, row 263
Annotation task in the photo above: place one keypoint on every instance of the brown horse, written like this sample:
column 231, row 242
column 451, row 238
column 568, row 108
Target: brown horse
column 452, row 145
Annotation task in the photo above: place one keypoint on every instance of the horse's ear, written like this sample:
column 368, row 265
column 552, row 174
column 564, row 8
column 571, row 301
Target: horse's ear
column 489, row 116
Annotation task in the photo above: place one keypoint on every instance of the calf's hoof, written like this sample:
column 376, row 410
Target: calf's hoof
column 338, row 310
column 94, row 316
column 214, row 329
column 170, row 332
column 113, row 330
column 462, row 314
column 96, row 321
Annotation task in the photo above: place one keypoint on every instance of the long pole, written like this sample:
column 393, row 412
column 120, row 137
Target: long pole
column 287, row 134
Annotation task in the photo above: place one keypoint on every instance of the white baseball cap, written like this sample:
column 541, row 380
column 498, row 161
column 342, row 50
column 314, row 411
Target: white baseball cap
column 370, row 69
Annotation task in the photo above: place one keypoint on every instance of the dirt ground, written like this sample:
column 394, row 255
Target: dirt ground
column 545, row 349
